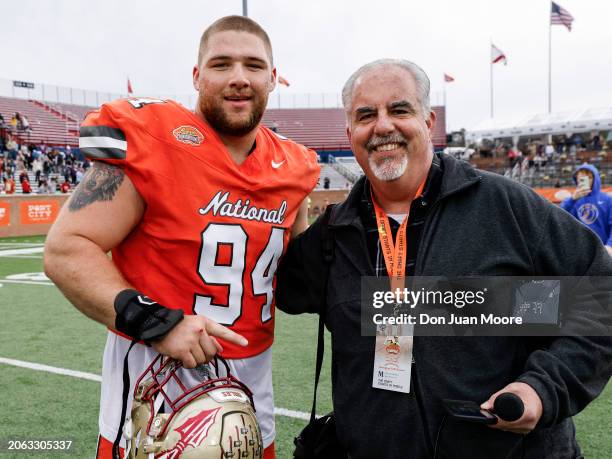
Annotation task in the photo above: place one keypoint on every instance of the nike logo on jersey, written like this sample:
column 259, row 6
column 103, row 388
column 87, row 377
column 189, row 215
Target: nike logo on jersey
column 276, row 165
column 221, row 205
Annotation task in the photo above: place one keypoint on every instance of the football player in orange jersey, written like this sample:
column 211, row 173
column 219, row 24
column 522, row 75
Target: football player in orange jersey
column 197, row 210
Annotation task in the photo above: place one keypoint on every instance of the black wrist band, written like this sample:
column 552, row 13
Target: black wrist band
column 141, row 318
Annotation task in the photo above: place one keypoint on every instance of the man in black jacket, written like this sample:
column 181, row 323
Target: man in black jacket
column 457, row 221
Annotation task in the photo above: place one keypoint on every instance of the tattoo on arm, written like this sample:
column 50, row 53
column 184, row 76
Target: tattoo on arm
column 99, row 184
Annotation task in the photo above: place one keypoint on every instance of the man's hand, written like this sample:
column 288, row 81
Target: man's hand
column 580, row 193
column 609, row 249
column 531, row 415
column 193, row 341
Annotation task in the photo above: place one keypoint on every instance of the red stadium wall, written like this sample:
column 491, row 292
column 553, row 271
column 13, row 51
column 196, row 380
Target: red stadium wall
column 28, row 215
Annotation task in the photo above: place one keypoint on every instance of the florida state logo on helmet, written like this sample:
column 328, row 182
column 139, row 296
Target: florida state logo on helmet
column 212, row 419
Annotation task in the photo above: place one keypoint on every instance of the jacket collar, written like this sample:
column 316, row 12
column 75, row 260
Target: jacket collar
column 457, row 176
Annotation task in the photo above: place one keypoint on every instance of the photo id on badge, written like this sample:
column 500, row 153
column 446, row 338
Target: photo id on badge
column 392, row 363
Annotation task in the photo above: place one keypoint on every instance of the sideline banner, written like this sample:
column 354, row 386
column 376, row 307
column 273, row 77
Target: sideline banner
column 5, row 214
column 38, row 212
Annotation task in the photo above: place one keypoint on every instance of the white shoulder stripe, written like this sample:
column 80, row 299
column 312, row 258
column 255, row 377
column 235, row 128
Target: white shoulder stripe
column 102, row 142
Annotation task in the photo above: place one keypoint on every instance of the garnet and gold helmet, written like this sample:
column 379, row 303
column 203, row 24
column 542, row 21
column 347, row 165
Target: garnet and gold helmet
column 213, row 419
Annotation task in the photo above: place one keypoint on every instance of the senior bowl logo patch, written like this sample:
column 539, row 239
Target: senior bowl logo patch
column 188, row 135
column 392, row 346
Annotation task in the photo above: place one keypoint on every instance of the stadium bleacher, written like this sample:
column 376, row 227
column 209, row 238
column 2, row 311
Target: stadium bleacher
column 322, row 129
column 325, row 128
column 557, row 172
column 336, row 179
column 348, row 166
column 75, row 112
column 47, row 125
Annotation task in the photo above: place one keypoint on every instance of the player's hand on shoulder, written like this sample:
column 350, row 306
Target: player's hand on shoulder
column 193, row 340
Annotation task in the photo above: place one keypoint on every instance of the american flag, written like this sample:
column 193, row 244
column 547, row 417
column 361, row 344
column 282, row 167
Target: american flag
column 560, row 16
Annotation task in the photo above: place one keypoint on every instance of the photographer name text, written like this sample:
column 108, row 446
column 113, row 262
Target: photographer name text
column 426, row 319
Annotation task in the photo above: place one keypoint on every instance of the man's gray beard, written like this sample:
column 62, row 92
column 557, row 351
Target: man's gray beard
column 390, row 169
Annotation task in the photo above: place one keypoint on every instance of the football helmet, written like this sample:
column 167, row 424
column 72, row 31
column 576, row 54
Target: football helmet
column 213, row 419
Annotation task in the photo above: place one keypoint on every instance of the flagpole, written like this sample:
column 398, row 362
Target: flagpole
column 549, row 62
column 444, row 93
column 491, row 68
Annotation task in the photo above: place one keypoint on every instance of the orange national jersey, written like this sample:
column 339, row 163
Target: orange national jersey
column 213, row 231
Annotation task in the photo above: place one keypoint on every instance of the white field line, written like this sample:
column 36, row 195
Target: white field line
column 22, row 244
column 29, row 251
column 31, row 257
column 93, row 377
column 9, row 281
column 50, row 369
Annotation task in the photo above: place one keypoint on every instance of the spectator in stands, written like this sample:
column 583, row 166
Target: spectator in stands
column 73, row 175
column 549, row 151
column 65, row 187
column 37, row 168
column 25, row 124
column 79, row 175
column 21, row 158
column 511, row 157
column 596, row 143
column 326, row 182
column 15, row 122
column 52, row 186
column 590, row 205
column 26, row 188
column 47, row 163
column 274, row 126
column 70, row 158
column 9, row 185
column 23, row 175
column 35, row 152
column 539, row 161
column 43, row 187
column 12, row 147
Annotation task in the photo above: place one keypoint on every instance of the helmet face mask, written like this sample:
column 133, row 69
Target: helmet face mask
column 214, row 418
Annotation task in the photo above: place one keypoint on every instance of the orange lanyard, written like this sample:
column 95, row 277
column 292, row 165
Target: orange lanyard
column 393, row 252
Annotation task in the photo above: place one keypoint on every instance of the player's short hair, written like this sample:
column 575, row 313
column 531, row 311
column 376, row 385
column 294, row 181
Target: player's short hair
column 237, row 24
column 419, row 75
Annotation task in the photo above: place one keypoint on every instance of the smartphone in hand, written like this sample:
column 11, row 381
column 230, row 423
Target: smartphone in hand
column 583, row 183
column 465, row 410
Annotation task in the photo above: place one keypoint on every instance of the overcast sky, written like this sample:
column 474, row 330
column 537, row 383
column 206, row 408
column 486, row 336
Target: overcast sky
column 317, row 44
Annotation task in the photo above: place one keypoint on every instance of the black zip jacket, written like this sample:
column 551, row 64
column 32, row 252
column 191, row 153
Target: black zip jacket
column 481, row 224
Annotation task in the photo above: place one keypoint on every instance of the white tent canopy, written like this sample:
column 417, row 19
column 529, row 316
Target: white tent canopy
column 568, row 122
